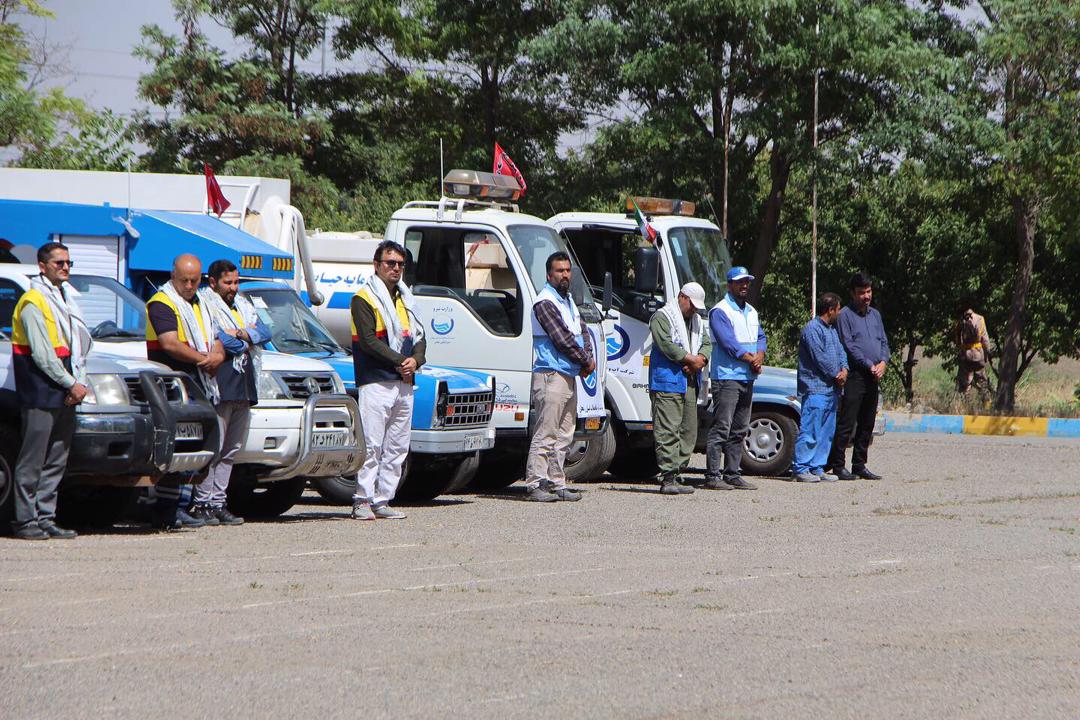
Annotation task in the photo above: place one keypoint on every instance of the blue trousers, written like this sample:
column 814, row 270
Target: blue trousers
column 816, row 429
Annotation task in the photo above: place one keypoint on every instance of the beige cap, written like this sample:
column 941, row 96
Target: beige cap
column 696, row 293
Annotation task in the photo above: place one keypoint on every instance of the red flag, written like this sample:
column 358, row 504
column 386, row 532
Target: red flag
column 505, row 166
column 215, row 199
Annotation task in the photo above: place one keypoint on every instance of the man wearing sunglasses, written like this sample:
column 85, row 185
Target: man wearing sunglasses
column 388, row 348
column 49, row 343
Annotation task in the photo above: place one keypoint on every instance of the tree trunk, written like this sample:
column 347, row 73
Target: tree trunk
column 1025, row 217
column 779, row 172
column 908, row 375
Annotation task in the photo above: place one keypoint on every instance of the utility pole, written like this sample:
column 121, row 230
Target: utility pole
column 813, row 188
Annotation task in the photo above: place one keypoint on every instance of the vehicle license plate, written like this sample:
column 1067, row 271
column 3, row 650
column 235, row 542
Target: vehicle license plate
column 592, row 423
column 189, row 431
column 474, row 442
column 329, row 439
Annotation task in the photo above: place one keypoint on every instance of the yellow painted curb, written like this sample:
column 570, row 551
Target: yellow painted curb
column 992, row 425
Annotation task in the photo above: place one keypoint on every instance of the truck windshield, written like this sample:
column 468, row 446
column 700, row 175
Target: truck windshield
column 112, row 312
column 294, row 328
column 701, row 256
column 534, row 244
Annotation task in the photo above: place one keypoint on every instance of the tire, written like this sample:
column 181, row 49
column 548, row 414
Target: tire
column 587, row 460
column 464, row 473
column 428, row 478
column 250, row 499
column 498, row 470
column 93, row 506
column 631, row 462
column 770, row 446
column 9, row 451
column 335, row 490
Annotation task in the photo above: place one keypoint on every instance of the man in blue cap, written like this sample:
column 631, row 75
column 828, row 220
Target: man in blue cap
column 738, row 355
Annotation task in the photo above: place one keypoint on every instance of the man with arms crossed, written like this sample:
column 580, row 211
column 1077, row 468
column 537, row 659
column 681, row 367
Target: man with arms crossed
column 822, row 374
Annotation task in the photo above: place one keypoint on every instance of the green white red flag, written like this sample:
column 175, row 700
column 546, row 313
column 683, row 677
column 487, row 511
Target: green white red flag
column 647, row 231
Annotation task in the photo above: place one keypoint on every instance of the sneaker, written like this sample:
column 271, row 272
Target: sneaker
column 362, row 511
column 541, row 495
column 204, row 514
column 716, row 484
column 189, row 521
column 739, row 484
column 224, row 516
column 807, row 477
column 53, row 530
column 826, row 477
column 385, row 512
column 31, row 532
column 866, row 474
column 843, row 474
column 565, row 493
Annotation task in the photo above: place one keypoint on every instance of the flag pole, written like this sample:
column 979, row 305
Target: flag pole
column 813, row 192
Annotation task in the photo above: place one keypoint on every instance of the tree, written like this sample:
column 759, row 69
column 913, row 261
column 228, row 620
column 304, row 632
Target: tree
column 1028, row 70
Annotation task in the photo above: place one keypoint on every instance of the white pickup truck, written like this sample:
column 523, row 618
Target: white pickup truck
column 304, row 425
column 140, row 422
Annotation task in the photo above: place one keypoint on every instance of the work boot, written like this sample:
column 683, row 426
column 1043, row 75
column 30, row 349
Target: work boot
column 670, row 485
column 224, row 516
column 202, row 513
column 55, row 531
column 541, row 495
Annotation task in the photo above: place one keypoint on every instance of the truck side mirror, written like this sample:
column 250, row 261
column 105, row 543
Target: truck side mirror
column 646, row 270
column 577, row 292
column 609, row 293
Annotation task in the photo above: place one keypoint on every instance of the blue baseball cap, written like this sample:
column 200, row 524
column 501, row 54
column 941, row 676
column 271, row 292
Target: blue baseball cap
column 738, row 273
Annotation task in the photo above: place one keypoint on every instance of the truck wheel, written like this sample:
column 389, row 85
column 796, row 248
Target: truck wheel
column 335, row 490
column 250, row 499
column 427, row 478
column 633, row 462
column 770, row 446
column 93, row 506
column 464, row 473
column 498, row 470
column 587, row 460
column 9, row 451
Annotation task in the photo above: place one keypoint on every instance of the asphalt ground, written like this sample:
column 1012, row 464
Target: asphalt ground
column 949, row 589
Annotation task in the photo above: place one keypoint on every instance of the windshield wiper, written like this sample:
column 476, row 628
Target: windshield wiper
column 301, row 341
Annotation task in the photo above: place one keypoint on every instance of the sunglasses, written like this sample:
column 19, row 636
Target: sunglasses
column 393, row 263
column 62, row 263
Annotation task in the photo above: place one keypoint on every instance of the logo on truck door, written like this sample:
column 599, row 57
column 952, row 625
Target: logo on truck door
column 442, row 327
column 589, row 383
column 618, row 344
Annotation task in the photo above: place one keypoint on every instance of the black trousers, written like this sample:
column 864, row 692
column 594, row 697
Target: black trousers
column 858, row 409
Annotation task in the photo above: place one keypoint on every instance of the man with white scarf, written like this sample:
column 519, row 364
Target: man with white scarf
column 388, row 348
column 240, row 332
column 561, row 350
column 681, row 350
column 182, row 334
column 49, row 345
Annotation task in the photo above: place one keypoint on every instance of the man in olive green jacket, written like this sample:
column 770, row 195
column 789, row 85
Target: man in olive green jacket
column 680, row 353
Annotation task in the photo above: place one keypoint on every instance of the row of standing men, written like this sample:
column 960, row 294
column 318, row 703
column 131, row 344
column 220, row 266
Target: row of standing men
column 215, row 336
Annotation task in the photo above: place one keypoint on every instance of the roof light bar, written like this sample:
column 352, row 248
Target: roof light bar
column 478, row 185
column 662, row 206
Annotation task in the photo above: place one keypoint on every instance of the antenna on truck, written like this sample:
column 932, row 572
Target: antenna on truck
column 439, row 181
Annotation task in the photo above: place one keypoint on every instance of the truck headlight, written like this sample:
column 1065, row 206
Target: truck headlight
column 339, row 384
column 442, row 402
column 269, row 388
column 107, row 389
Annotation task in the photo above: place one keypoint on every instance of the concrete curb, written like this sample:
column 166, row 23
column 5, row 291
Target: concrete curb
column 983, row 425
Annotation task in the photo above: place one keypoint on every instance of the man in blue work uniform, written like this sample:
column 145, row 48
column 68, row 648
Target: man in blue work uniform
column 738, row 356
column 863, row 336
column 823, row 371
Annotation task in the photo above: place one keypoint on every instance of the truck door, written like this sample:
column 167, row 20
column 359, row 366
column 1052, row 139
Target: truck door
column 602, row 249
column 474, row 310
